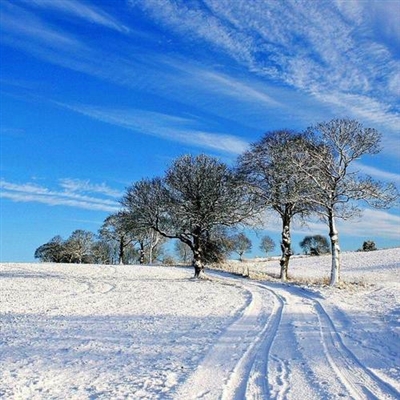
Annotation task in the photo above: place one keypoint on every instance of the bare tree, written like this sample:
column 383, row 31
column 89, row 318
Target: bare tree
column 150, row 244
column 116, row 229
column 103, row 252
column 240, row 244
column 197, row 195
column 278, row 183
column 78, row 246
column 267, row 244
column 336, row 145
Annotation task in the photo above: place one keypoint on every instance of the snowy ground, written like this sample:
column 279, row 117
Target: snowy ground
column 136, row 332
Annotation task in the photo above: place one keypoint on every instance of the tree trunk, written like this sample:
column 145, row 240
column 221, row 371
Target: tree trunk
column 141, row 253
column 155, row 239
column 197, row 256
column 333, row 234
column 286, row 249
column 198, row 267
column 121, row 251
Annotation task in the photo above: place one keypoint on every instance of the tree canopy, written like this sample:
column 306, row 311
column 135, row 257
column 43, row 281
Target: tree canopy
column 278, row 183
column 196, row 197
column 333, row 148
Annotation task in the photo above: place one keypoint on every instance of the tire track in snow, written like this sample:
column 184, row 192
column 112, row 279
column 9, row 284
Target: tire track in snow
column 90, row 287
column 225, row 371
column 359, row 379
column 251, row 372
column 356, row 379
column 251, row 376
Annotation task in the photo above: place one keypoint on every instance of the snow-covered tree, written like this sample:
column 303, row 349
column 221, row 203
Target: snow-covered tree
column 78, row 246
column 369, row 245
column 337, row 144
column 103, row 252
column 279, row 185
column 52, row 251
column 117, row 230
column 196, row 196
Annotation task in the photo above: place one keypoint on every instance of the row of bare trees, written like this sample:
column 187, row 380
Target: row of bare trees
column 199, row 199
column 121, row 241
column 114, row 244
column 293, row 174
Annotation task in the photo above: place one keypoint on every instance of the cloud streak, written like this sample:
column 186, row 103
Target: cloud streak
column 372, row 224
column 78, row 185
column 71, row 196
column 21, row 27
column 166, row 126
column 378, row 173
column 341, row 65
column 31, row 33
column 155, row 74
column 82, row 11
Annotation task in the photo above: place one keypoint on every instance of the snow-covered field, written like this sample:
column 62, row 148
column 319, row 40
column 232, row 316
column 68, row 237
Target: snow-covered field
column 139, row 332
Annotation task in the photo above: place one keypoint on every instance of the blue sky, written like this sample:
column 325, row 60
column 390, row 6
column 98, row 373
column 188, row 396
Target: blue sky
column 98, row 94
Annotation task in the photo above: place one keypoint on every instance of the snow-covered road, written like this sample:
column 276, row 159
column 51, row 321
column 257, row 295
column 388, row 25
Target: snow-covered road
column 137, row 332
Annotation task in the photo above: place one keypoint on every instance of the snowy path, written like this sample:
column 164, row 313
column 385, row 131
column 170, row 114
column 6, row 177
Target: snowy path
column 238, row 355
column 284, row 346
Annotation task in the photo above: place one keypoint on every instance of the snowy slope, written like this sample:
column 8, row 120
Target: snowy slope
column 139, row 332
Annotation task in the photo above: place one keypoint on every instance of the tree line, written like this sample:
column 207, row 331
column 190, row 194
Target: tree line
column 118, row 244
column 105, row 247
column 296, row 175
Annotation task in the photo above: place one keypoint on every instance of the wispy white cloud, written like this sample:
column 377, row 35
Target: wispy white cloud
column 345, row 61
column 227, row 94
column 231, row 87
column 341, row 65
column 364, row 108
column 196, row 22
column 199, row 85
column 384, row 14
column 378, row 173
column 19, row 26
column 175, row 128
column 80, row 10
column 79, row 185
column 33, row 34
column 72, row 195
column 373, row 223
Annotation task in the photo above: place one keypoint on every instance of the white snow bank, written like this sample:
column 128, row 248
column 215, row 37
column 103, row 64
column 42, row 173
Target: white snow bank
column 85, row 331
